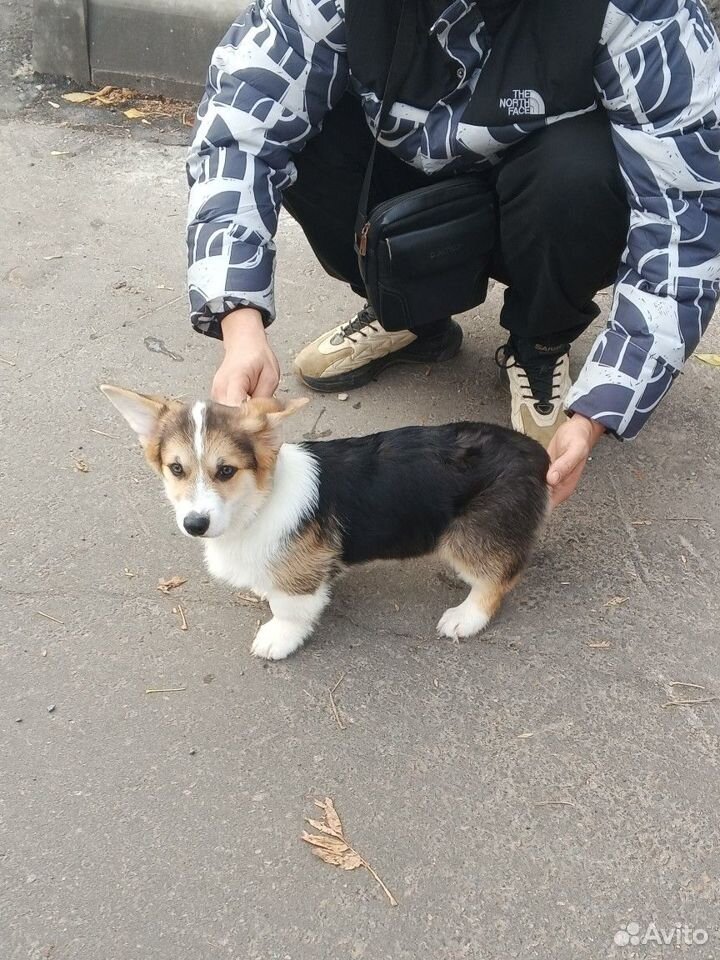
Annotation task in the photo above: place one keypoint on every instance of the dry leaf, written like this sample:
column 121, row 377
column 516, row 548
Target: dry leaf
column 165, row 586
column 616, row 601
column 713, row 359
column 332, row 846
column 330, row 816
column 133, row 114
column 81, row 466
column 78, row 97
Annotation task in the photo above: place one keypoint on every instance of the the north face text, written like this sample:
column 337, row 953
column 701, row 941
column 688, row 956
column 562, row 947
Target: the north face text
column 522, row 103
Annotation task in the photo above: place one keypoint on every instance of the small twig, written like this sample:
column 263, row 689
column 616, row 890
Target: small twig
column 681, row 683
column 339, row 681
column 552, row 803
column 165, row 689
column 248, row 598
column 183, row 621
column 48, row 617
column 112, row 436
column 10, row 363
column 391, row 898
column 160, row 307
column 642, row 523
column 689, row 703
column 335, row 712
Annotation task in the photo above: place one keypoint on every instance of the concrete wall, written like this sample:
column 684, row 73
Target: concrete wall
column 158, row 46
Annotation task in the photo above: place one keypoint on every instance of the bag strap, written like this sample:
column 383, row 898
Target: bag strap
column 400, row 61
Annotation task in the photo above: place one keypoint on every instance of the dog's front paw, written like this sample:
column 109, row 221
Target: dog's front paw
column 277, row 639
column 462, row 621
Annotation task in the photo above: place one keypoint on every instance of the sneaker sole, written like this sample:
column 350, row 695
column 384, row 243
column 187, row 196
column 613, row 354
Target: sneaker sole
column 363, row 375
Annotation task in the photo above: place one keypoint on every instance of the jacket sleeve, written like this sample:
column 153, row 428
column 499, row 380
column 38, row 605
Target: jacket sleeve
column 272, row 79
column 659, row 80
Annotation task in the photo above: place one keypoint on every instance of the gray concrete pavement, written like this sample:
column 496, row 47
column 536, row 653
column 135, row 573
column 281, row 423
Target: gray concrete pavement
column 136, row 826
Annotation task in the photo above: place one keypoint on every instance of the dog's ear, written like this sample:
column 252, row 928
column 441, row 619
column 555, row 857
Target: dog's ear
column 141, row 412
column 270, row 411
column 275, row 417
column 263, row 418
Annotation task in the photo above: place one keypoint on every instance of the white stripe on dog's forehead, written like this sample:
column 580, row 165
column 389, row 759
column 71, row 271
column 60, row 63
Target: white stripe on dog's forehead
column 198, row 418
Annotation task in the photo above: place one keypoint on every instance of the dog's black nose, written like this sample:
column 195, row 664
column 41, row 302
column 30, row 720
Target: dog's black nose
column 196, row 524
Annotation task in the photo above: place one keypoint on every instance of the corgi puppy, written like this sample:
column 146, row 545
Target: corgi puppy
column 285, row 519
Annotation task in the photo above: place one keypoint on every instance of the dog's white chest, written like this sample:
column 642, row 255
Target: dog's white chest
column 242, row 565
column 244, row 556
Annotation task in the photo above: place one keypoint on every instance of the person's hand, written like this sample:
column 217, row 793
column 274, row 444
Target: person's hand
column 249, row 368
column 569, row 450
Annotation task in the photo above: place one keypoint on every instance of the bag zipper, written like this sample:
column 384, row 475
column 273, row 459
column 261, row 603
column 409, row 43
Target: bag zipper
column 362, row 239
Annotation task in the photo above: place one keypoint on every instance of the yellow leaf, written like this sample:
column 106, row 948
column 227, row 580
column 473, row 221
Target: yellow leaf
column 165, row 586
column 713, row 359
column 346, row 861
column 319, row 825
column 133, row 114
column 331, row 846
column 331, row 817
column 616, row 601
column 78, row 97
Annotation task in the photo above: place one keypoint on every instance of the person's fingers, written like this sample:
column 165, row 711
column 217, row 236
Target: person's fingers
column 559, row 494
column 232, row 391
column 267, row 381
column 561, row 491
column 575, row 453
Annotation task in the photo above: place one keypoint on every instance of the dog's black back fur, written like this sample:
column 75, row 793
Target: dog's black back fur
column 394, row 494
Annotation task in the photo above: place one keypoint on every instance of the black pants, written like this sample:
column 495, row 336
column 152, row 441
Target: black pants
column 562, row 214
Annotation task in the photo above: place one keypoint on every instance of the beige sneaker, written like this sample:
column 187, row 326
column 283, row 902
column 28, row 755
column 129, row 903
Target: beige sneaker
column 352, row 354
column 538, row 387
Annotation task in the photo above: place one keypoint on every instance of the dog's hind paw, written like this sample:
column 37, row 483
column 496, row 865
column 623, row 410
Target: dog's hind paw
column 462, row 621
column 277, row 639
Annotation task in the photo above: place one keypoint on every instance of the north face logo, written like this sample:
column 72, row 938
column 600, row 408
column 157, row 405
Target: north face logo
column 523, row 103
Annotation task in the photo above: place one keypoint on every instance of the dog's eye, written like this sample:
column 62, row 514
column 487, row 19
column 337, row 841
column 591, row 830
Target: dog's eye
column 225, row 472
column 176, row 469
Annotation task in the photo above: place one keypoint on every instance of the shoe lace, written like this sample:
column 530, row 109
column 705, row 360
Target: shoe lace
column 360, row 322
column 539, row 377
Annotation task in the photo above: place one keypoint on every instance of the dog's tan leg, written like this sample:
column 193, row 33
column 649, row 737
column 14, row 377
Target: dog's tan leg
column 476, row 611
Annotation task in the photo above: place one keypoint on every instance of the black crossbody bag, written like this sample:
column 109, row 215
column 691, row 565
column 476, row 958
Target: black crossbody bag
column 425, row 254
